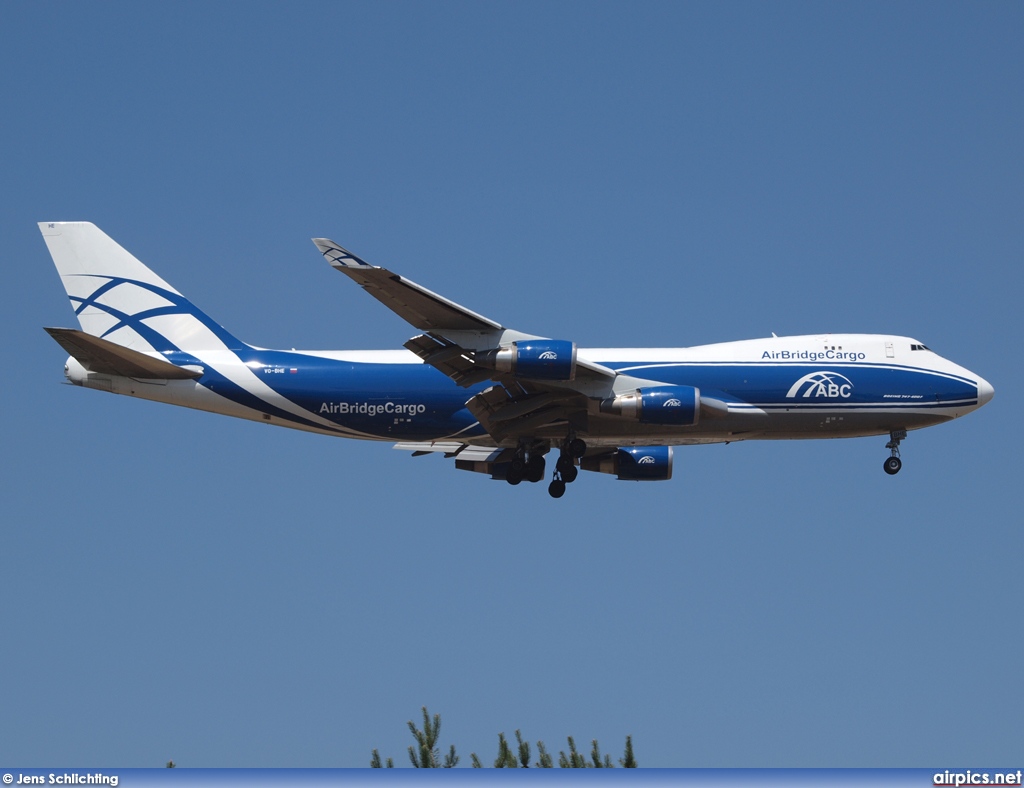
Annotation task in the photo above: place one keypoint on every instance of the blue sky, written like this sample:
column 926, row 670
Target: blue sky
column 181, row 585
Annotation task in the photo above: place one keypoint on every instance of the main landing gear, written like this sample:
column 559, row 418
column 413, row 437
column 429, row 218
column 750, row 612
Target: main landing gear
column 565, row 468
column 893, row 463
column 528, row 466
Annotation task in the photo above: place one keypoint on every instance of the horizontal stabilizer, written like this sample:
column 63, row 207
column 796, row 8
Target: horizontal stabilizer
column 107, row 358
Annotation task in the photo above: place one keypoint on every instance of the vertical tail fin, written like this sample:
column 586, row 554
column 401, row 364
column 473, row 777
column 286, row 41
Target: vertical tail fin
column 118, row 298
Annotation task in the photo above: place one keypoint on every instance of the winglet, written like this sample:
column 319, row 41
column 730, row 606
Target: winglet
column 338, row 256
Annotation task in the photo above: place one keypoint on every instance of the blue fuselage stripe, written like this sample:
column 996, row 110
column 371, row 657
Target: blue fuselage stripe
column 416, row 402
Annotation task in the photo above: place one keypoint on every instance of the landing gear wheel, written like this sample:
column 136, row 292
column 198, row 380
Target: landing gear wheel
column 567, row 469
column 514, row 475
column 557, row 488
column 535, row 468
column 577, row 447
column 892, row 465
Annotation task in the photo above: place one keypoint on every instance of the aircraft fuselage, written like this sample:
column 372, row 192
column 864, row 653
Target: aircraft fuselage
column 816, row 386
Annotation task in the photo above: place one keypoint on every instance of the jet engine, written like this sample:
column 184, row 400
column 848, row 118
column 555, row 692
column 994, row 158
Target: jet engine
column 662, row 405
column 539, row 359
column 634, row 464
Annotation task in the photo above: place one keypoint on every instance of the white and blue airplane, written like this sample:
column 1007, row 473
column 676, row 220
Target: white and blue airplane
column 495, row 399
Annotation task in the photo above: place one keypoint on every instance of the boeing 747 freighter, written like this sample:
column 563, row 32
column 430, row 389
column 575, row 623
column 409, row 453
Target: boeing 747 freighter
column 497, row 400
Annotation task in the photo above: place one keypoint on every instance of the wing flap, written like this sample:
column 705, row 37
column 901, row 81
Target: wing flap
column 478, row 459
column 108, row 358
column 449, row 358
column 463, row 451
column 504, row 415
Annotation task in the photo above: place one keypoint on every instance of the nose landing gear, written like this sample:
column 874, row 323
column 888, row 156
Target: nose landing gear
column 893, row 463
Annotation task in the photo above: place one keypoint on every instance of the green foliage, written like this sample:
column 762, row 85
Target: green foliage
column 545, row 761
column 574, row 760
column 628, row 761
column 595, row 755
column 376, row 764
column 505, row 759
column 425, row 754
column 524, row 751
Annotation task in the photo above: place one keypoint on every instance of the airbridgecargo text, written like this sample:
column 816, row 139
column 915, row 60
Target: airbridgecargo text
column 813, row 355
column 373, row 408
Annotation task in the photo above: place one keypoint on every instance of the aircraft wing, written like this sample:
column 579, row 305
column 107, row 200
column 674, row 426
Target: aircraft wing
column 461, row 343
column 425, row 310
column 451, row 329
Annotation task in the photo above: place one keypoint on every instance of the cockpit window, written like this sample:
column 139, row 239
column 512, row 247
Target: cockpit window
column 919, row 347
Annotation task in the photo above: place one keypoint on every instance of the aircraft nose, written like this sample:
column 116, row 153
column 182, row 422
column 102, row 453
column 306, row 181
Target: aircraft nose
column 985, row 391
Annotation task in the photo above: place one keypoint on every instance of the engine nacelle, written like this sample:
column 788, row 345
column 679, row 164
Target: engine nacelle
column 635, row 464
column 662, row 405
column 540, row 359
